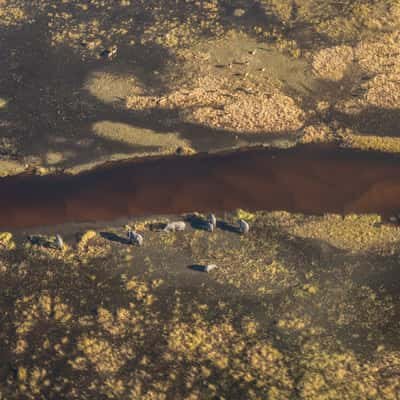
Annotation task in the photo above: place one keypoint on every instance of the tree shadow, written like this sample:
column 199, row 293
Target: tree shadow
column 48, row 107
column 157, row 226
column 352, row 280
column 83, row 310
column 228, row 227
column 50, row 111
column 197, row 222
column 368, row 120
column 305, row 34
column 42, row 241
column 113, row 237
column 372, row 120
column 89, row 305
column 197, row 268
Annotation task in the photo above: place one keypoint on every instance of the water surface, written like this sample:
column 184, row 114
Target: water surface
column 311, row 179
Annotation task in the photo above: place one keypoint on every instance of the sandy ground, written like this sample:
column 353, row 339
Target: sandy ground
column 82, row 83
column 301, row 308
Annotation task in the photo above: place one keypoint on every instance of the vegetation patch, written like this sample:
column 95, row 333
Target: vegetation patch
column 369, row 142
column 7, row 241
column 292, row 311
column 332, row 63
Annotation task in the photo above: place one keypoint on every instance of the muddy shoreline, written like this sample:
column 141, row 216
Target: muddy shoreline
column 310, row 179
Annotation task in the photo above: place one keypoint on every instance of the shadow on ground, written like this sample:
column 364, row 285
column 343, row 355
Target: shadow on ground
column 106, row 325
column 50, row 113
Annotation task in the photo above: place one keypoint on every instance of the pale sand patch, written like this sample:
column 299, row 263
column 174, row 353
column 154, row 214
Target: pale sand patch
column 332, row 63
column 238, row 86
column 237, row 52
column 137, row 136
column 77, row 169
column 110, row 87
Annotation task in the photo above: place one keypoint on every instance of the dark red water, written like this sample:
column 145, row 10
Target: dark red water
column 310, row 179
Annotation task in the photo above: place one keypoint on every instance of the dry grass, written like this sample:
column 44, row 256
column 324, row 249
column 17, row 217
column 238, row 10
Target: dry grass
column 332, row 63
column 372, row 112
column 379, row 56
column 316, row 134
column 6, row 241
column 369, row 142
column 351, row 378
column 11, row 14
column 168, row 29
column 284, row 315
column 384, row 91
column 212, row 103
column 339, row 21
column 254, row 113
column 355, row 233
